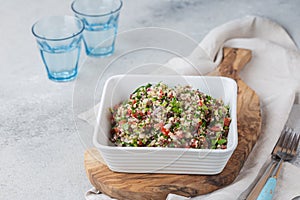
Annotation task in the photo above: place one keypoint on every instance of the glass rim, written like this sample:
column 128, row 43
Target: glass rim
column 96, row 15
column 62, row 38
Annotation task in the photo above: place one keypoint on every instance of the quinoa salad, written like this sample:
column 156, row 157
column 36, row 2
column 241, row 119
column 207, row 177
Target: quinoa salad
column 156, row 115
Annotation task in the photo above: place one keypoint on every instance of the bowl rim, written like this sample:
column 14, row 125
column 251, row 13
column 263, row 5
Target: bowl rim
column 131, row 149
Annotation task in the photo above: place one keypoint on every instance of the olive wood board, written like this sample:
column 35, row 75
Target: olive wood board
column 158, row 186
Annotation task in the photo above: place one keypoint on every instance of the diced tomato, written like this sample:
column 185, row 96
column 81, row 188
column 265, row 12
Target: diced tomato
column 227, row 121
column 116, row 130
column 137, row 114
column 160, row 94
column 200, row 103
column 140, row 113
column 164, row 131
column 193, row 143
column 140, row 143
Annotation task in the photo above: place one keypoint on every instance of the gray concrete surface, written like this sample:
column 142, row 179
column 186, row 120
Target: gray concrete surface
column 41, row 143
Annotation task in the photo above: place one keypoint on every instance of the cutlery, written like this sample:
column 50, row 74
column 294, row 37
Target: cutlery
column 286, row 151
column 267, row 171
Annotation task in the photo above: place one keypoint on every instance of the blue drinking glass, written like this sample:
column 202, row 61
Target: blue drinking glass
column 59, row 40
column 101, row 24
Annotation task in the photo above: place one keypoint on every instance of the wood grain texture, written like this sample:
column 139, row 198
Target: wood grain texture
column 158, row 186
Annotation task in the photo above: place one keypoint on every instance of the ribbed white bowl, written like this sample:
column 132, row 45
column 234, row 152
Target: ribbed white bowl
column 164, row 160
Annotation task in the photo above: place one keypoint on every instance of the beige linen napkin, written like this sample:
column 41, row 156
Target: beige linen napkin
column 273, row 72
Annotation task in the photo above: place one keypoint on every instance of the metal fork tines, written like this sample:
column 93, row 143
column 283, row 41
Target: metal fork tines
column 285, row 150
column 286, row 145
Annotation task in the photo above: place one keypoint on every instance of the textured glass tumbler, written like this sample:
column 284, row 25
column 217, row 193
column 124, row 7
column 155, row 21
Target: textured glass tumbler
column 100, row 18
column 59, row 40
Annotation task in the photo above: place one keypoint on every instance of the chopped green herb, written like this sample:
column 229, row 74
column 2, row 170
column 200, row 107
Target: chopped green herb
column 161, row 116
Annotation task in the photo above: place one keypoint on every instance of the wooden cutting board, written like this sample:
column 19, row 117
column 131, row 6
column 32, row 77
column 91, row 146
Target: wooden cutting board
column 158, row 186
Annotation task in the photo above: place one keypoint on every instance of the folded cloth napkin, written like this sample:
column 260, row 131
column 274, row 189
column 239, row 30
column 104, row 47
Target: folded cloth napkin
column 273, row 72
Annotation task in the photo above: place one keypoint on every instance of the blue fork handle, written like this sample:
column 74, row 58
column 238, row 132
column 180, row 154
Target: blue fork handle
column 267, row 172
column 268, row 190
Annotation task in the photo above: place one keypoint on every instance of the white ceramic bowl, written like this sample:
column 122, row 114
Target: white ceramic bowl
column 157, row 159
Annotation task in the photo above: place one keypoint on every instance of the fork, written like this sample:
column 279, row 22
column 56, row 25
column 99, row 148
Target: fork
column 285, row 149
column 255, row 191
